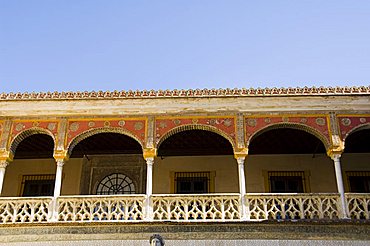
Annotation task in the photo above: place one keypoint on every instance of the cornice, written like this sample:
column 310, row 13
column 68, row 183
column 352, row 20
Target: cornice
column 190, row 93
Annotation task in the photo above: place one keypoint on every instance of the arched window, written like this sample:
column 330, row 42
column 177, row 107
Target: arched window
column 116, row 183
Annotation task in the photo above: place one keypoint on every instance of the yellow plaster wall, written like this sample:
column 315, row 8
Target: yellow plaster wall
column 225, row 168
column 354, row 162
column 18, row 168
column 320, row 171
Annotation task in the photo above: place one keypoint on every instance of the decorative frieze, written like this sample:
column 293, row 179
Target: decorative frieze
column 316, row 125
column 132, row 127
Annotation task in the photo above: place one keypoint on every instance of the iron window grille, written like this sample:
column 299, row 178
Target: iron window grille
column 192, row 182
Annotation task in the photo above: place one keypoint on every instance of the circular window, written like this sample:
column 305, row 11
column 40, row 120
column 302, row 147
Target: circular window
column 116, row 183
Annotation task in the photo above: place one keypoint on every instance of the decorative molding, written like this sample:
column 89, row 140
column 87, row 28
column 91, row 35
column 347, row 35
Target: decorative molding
column 150, row 132
column 298, row 91
column 240, row 128
column 62, row 133
column 5, row 129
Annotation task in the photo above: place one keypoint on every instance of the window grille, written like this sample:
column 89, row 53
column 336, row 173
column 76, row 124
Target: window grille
column 38, row 185
column 358, row 181
column 192, row 182
column 287, row 181
column 116, row 183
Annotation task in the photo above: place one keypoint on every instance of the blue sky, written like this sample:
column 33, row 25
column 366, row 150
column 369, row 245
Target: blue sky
column 48, row 45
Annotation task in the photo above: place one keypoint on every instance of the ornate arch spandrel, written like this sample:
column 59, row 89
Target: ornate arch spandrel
column 315, row 125
column 224, row 126
column 21, row 129
column 351, row 123
column 16, row 139
column 78, row 130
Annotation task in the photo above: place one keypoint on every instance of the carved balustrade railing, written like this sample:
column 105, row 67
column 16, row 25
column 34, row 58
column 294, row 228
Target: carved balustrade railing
column 24, row 210
column 358, row 205
column 292, row 206
column 204, row 207
column 100, row 208
column 175, row 207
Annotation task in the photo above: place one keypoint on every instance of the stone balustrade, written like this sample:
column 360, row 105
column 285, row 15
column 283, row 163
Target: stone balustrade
column 293, row 206
column 204, row 207
column 183, row 208
column 100, row 208
column 358, row 205
column 25, row 209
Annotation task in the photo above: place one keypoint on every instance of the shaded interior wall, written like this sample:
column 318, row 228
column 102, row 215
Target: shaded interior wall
column 354, row 162
column 18, row 168
column 319, row 170
column 224, row 167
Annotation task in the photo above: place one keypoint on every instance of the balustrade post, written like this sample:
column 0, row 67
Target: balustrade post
column 242, row 191
column 339, row 179
column 149, row 189
column 3, row 165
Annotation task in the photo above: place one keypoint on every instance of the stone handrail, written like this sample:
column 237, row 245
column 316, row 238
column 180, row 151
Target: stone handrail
column 100, row 208
column 358, row 205
column 268, row 206
column 24, row 209
column 199, row 207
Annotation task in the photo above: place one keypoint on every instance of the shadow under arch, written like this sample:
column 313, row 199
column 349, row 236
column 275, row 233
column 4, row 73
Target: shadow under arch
column 27, row 133
column 357, row 139
column 295, row 126
column 195, row 127
column 77, row 139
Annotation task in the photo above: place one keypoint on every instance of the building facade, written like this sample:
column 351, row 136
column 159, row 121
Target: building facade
column 236, row 165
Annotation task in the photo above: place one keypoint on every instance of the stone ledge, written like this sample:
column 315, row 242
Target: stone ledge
column 285, row 230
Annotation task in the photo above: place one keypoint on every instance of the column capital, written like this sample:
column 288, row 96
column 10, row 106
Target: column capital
column 6, row 156
column 240, row 153
column 4, row 163
column 335, row 153
column 60, row 155
column 60, row 162
column 149, row 153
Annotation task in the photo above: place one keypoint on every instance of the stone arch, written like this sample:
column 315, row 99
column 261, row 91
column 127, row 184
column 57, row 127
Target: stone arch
column 27, row 133
column 195, row 127
column 296, row 126
column 73, row 142
column 355, row 129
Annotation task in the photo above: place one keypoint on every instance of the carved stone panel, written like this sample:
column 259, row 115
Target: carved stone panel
column 96, row 167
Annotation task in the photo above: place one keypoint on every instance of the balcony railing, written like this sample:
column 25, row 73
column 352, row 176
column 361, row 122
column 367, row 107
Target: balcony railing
column 182, row 208
column 293, row 206
column 215, row 207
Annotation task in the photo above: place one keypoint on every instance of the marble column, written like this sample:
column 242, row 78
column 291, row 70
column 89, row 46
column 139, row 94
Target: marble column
column 242, row 189
column 3, row 165
column 149, row 188
column 338, row 175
